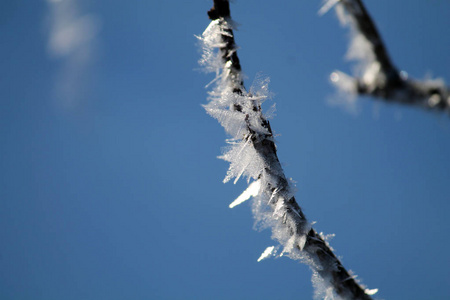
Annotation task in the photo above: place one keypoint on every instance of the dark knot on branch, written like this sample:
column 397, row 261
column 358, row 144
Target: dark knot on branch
column 220, row 9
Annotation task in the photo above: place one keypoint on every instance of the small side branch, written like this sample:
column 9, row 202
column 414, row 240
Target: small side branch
column 254, row 154
column 378, row 77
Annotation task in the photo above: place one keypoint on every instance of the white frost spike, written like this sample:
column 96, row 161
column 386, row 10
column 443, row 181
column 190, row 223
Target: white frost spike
column 251, row 191
column 327, row 6
column 344, row 82
column 371, row 292
column 268, row 252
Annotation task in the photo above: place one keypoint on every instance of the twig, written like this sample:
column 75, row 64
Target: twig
column 254, row 153
column 380, row 78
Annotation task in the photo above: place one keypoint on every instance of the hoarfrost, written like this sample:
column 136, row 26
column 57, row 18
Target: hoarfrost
column 270, row 251
column 371, row 292
column 240, row 115
column 347, row 88
column 251, row 153
column 251, row 191
column 327, row 5
column 211, row 40
column 322, row 290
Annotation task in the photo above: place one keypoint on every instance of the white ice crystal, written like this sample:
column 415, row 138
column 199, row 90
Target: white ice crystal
column 267, row 253
column 347, row 89
column 372, row 73
column 252, row 191
column 323, row 291
column 327, row 5
column 371, row 292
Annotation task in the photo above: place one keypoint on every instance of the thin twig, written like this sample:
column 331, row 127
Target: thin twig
column 380, row 78
column 275, row 187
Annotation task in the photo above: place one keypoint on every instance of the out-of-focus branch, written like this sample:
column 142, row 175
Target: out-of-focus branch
column 253, row 153
column 378, row 76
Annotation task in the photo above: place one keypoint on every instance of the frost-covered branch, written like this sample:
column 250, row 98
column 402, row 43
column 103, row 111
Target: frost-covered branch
column 376, row 75
column 252, row 153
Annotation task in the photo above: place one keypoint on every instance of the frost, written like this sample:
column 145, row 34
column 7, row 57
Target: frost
column 371, row 292
column 244, row 160
column 251, row 191
column 211, row 39
column 241, row 117
column 251, row 153
column 344, row 82
column 327, row 5
column 361, row 51
column 270, row 251
column 347, row 88
column 323, row 290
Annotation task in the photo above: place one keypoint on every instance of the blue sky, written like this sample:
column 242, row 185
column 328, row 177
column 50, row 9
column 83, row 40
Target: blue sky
column 110, row 187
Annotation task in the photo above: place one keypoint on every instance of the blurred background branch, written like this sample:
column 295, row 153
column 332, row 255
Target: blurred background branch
column 376, row 75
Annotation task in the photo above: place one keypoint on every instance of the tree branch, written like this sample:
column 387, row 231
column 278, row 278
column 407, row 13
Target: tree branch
column 254, row 154
column 380, row 78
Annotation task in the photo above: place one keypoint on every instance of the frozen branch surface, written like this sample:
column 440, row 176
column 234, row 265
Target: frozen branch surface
column 376, row 75
column 252, row 153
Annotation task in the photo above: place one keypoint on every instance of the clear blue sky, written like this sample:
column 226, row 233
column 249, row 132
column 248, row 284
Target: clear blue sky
column 109, row 183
